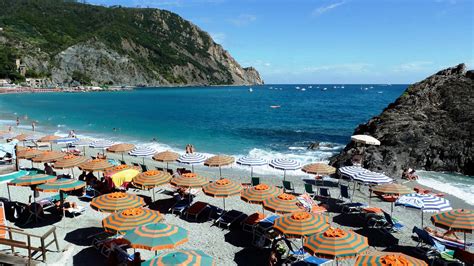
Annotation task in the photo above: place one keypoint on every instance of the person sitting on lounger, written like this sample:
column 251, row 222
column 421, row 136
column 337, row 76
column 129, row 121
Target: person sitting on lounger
column 91, row 179
column 66, row 205
column 448, row 235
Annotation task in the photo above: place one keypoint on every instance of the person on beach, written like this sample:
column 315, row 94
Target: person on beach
column 9, row 128
column 101, row 156
column 188, row 148
column 193, row 150
column 91, row 179
column 83, row 175
column 409, row 174
column 33, row 126
column 72, row 134
column 48, row 169
column 17, row 121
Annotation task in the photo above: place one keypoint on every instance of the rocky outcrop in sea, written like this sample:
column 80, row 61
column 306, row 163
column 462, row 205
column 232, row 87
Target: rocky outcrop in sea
column 430, row 126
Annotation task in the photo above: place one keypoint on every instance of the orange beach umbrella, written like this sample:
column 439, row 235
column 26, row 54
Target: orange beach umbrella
column 222, row 188
column 219, row 161
column 48, row 156
column 166, row 157
column 121, row 148
column 95, row 165
column 301, row 223
column 117, row 201
column 283, row 203
column 189, row 180
column 388, row 258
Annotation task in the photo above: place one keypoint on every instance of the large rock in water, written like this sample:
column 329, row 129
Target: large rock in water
column 429, row 127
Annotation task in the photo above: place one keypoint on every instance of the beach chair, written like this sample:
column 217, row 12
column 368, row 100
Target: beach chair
column 195, row 210
column 89, row 194
column 144, row 167
column 324, row 194
column 229, row 218
column 249, row 223
column 159, row 168
column 75, row 211
column 437, row 251
column 122, row 162
column 180, row 206
column 214, row 212
column 288, row 186
column 312, row 260
column 386, row 222
column 255, row 181
column 449, row 242
column 346, row 201
column 136, row 164
column 308, row 188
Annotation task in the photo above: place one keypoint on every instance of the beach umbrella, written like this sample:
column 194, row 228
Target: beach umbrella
column 388, row 259
column 336, row 243
column 391, row 189
column 184, row 257
column 62, row 184
column 116, row 201
column 31, row 180
column 49, row 138
column 151, row 179
column 285, row 164
column 95, row 165
column 166, row 157
column 372, row 177
column 301, row 223
column 281, row 204
column 365, row 139
column 101, row 144
column 156, row 236
column 120, row 222
column 28, row 153
column 351, row 171
column 222, row 188
column 142, row 152
column 121, row 148
column 82, row 143
column 22, row 137
column 460, row 220
column 251, row 161
column 69, row 161
column 424, row 202
column 257, row 194
column 189, row 180
column 48, row 156
column 219, row 161
column 318, row 169
column 192, row 159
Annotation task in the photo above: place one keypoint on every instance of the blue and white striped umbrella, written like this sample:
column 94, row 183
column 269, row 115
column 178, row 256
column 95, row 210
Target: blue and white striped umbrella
column 285, row 164
column 192, row 158
column 142, row 152
column 372, row 177
column 251, row 161
column 101, row 144
column 424, row 202
column 351, row 171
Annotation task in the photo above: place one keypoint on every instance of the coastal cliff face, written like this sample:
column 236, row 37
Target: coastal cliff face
column 431, row 127
column 67, row 41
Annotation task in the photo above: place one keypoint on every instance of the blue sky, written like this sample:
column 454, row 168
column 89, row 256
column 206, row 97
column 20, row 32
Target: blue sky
column 334, row 41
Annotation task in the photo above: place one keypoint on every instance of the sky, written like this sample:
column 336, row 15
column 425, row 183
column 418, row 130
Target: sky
column 334, row 41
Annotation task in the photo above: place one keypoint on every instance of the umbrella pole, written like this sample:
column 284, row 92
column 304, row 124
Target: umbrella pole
column 192, row 168
column 421, row 218
column 143, row 160
column 8, row 189
column 251, row 172
column 284, row 175
column 167, row 166
column 370, row 199
column 223, row 199
column 220, row 172
column 122, row 156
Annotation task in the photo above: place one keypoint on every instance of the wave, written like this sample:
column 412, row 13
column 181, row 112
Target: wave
column 458, row 185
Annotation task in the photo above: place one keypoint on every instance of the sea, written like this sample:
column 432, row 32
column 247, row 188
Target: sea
column 269, row 121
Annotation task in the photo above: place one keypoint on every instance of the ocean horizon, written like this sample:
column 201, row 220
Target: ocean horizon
column 233, row 120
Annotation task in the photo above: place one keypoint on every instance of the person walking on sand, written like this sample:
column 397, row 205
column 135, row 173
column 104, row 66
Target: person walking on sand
column 17, row 121
column 188, row 148
column 33, row 126
column 9, row 128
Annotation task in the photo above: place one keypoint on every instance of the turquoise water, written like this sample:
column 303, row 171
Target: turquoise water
column 230, row 120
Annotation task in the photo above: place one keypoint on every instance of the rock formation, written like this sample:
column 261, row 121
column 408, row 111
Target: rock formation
column 431, row 127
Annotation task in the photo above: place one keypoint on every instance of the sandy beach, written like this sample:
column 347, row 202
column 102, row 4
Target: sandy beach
column 228, row 247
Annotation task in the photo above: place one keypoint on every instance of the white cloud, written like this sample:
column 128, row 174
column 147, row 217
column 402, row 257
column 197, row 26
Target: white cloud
column 323, row 9
column 415, row 66
column 243, row 19
column 257, row 63
column 218, row 37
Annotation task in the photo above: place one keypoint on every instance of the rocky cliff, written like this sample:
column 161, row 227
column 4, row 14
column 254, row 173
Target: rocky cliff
column 68, row 41
column 431, row 127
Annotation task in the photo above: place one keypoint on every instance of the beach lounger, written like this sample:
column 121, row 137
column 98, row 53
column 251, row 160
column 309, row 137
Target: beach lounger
column 349, row 207
column 214, row 212
column 288, row 186
column 444, row 256
column 180, row 206
column 89, row 194
column 193, row 212
column 255, row 181
column 308, row 188
column 229, row 218
column 136, row 164
column 75, row 211
column 249, row 223
column 386, row 222
column 448, row 242
column 324, row 194
column 122, row 162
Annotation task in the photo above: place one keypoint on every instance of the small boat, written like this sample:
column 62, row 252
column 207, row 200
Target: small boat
column 250, row 90
column 275, row 106
column 303, row 89
column 310, row 86
column 342, row 87
column 324, row 89
column 297, row 87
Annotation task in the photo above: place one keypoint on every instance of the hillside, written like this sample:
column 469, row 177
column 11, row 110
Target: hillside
column 67, row 41
column 431, row 127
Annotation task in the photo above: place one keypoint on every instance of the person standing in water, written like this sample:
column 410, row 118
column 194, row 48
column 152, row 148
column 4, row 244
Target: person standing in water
column 17, row 121
column 33, row 126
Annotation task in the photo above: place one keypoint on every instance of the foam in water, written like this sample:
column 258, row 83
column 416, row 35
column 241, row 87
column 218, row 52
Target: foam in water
column 458, row 185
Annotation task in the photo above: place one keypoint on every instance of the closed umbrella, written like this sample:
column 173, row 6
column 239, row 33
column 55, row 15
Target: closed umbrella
column 281, row 204
column 424, row 202
column 219, row 161
column 116, row 201
column 123, row 221
column 251, row 161
column 184, row 257
column 335, row 243
column 301, row 224
column 391, row 189
column 156, row 236
column 142, row 152
column 192, row 159
column 285, row 164
column 460, row 220
column 121, row 148
column 189, row 180
column 166, row 157
column 222, row 188
column 388, row 258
